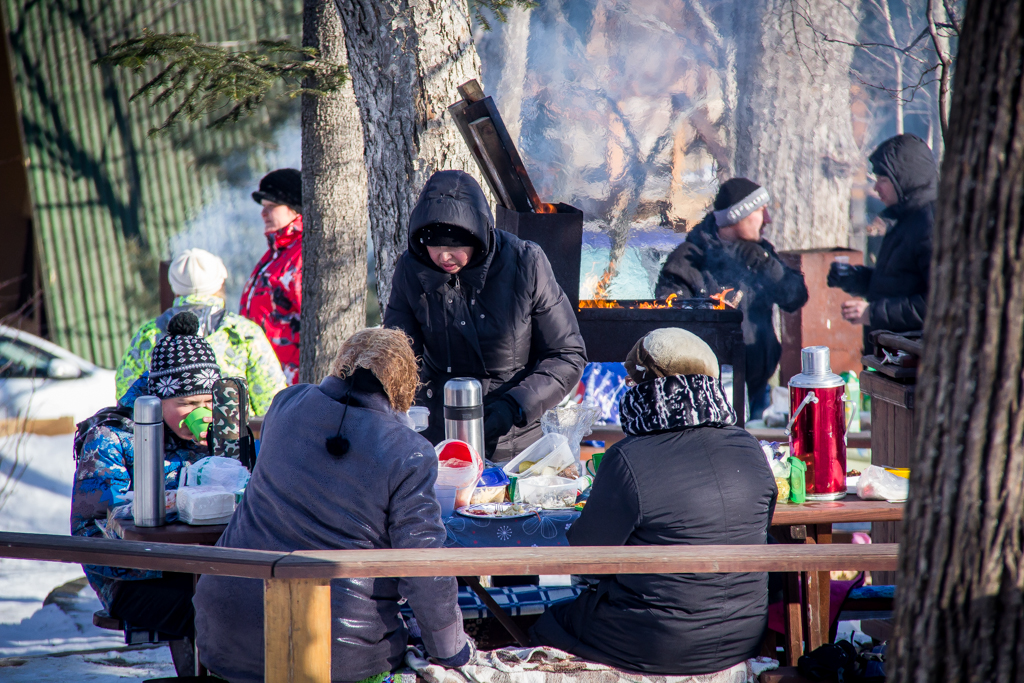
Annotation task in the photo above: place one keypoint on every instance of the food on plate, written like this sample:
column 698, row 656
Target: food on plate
column 853, row 473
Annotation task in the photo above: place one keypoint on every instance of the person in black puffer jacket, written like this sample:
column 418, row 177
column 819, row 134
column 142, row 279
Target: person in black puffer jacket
column 896, row 289
column 480, row 302
column 726, row 250
column 684, row 475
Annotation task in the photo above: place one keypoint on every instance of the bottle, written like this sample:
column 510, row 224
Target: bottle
column 464, row 412
column 797, row 480
column 148, row 507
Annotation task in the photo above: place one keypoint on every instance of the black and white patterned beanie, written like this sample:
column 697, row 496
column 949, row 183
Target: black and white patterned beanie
column 182, row 363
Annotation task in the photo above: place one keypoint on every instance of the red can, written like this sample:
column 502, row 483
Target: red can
column 817, row 426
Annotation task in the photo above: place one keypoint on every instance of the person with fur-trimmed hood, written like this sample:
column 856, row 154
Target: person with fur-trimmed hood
column 896, row 289
column 684, row 475
column 480, row 302
column 726, row 250
column 340, row 468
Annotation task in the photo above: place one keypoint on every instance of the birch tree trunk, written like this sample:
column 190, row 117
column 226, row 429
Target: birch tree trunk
column 334, row 207
column 793, row 129
column 960, row 615
column 407, row 59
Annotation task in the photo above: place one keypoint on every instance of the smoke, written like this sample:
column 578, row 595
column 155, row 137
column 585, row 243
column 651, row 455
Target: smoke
column 624, row 115
column 228, row 223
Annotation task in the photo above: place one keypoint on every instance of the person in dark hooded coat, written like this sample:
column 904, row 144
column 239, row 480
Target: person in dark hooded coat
column 479, row 302
column 896, row 289
column 726, row 250
column 684, row 475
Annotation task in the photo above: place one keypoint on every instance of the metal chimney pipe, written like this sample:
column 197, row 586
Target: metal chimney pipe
column 464, row 412
column 148, row 507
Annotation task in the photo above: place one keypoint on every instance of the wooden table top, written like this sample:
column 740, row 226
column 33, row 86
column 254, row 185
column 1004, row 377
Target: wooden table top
column 175, row 532
column 848, row 509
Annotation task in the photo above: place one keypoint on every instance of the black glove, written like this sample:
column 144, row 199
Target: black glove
column 752, row 254
column 498, row 419
column 839, row 274
column 456, row 660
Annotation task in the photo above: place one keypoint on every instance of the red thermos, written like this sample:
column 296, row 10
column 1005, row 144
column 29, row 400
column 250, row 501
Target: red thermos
column 817, row 426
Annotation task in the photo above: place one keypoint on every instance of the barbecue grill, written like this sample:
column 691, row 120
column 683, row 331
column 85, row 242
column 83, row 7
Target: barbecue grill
column 610, row 328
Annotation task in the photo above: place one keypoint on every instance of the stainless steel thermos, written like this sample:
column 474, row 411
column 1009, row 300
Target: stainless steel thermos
column 464, row 412
column 148, row 505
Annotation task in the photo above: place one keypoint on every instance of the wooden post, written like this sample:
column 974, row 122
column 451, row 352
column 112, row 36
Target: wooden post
column 297, row 630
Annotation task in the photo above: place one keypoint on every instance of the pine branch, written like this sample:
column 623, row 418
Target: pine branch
column 497, row 8
column 211, row 81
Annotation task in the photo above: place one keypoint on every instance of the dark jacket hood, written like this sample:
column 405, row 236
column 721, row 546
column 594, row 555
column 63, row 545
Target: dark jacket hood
column 910, row 165
column 452, row 198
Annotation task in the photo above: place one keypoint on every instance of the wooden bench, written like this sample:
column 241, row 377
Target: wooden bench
column 297, row 601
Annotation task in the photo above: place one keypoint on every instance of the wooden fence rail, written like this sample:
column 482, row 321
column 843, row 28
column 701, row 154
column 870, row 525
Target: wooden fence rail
column 297, row 640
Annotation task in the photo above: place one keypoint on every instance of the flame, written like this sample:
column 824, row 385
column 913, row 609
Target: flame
column 719, row 298
column 612, row 303
column 546, row 208
column 667, row 303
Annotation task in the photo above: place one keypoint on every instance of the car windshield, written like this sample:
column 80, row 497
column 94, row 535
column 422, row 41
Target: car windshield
column 18, row 359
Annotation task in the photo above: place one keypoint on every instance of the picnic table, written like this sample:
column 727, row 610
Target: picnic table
column 807, row 593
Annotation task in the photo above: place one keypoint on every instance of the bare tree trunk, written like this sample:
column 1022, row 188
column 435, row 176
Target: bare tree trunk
column 407, row 59
column 793, row 132
column 334, row 207
column 960, row 614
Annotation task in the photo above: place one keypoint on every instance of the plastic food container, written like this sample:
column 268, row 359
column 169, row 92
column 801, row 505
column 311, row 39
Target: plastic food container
column 205, row 505
column 549, row 455
column 551, row 493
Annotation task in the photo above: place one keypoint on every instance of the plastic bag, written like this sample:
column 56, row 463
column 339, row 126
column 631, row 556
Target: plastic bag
column 573, row 421
column 877, row 483
column 549, row 455
column 205, row 504
column 214, row 470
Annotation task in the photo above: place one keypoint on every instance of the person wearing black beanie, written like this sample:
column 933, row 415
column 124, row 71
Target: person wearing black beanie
column 726, row 251
column 272, row 297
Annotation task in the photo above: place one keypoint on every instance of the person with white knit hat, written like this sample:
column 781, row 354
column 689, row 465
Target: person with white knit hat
column 197, row 279
column 727, row 251
column 196, row 271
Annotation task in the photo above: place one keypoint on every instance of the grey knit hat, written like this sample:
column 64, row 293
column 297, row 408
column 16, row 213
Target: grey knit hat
column 182, row 363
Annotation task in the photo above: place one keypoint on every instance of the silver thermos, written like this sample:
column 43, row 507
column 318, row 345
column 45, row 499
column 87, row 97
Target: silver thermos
column 464, row 412
column 148, row 505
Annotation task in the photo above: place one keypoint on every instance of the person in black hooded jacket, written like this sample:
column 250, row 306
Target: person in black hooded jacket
column 896, row 289
column 726, row 250
column 479, row 302
column 684, row 475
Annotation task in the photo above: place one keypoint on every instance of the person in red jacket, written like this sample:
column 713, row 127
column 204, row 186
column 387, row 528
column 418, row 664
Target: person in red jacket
column 272, row 297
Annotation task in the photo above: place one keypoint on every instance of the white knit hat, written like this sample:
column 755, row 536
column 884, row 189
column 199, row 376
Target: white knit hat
column 196, row 271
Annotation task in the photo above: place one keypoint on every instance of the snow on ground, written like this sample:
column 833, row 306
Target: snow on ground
column 98, row 667
column 41, row 503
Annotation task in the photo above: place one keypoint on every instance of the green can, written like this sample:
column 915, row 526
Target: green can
column 797, row 480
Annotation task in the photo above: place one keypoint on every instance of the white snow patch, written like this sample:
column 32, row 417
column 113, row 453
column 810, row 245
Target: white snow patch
column 104, row 667
column 40, row 502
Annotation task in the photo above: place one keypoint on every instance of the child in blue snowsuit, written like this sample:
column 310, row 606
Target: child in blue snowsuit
column 182, row 373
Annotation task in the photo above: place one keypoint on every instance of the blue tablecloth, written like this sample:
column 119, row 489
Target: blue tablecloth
column 525, row 532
